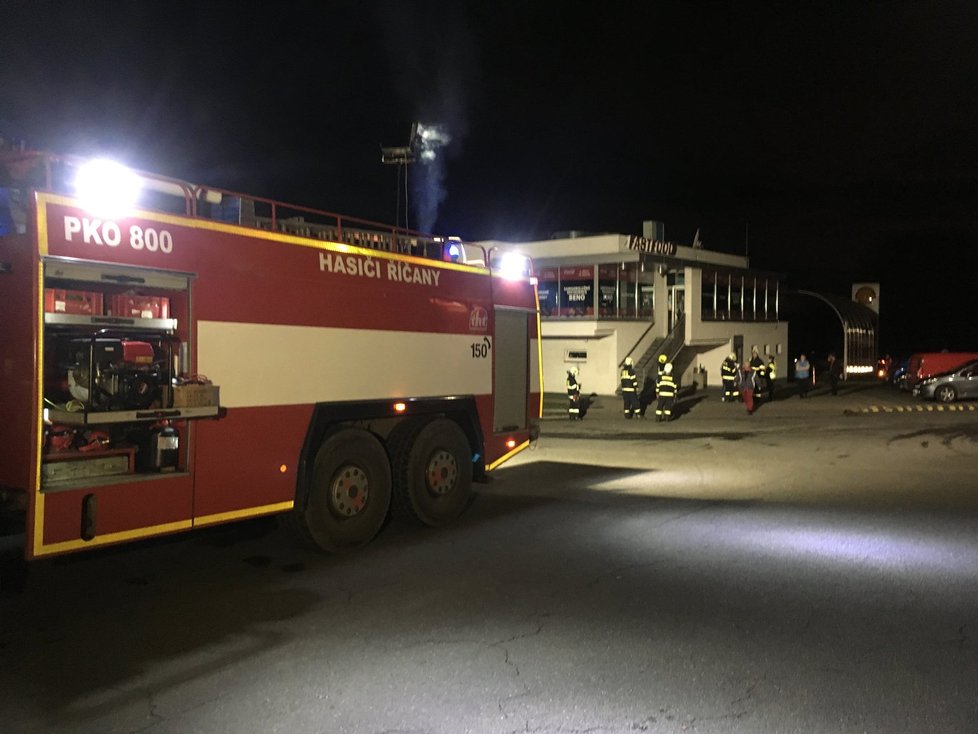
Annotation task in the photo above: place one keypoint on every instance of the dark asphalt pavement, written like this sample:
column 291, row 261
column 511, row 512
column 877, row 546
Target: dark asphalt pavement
column 599, row 584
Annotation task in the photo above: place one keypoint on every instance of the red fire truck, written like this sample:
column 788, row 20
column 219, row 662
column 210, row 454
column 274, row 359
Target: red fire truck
column 196, row 356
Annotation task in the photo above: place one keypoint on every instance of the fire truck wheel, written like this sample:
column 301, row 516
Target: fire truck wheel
column 350, row 492
column 432, row 472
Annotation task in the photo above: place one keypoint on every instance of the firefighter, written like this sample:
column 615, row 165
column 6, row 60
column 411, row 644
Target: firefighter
column 758, row 368
column 629, row 388
column 772, row 367
column 573, row 395
column 667, row 394
column 730, row 375
column 663, row 359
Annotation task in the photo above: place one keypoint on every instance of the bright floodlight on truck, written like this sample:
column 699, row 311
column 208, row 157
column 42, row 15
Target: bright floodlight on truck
column 107, row 188
column 512, row 265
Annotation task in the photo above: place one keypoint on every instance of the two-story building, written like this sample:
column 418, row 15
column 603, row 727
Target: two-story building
column 605, row 297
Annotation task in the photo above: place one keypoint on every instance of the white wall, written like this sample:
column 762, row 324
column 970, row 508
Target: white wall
column 605, row 343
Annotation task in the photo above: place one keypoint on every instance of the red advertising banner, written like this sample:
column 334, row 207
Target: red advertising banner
column 577, row 273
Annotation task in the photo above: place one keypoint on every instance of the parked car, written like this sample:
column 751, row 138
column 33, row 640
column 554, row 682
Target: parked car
column 929, row 364
column 946, row 388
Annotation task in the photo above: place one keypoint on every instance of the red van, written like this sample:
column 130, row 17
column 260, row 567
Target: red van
column 927, row 364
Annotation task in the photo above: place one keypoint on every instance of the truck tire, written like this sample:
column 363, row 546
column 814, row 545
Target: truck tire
column 432, row 464
column 350, row 492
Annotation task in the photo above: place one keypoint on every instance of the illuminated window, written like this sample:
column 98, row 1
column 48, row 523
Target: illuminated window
column 576, row 298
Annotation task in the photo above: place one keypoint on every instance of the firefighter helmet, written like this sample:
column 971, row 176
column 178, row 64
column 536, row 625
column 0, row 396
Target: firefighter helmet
column 733, row 356
column 663, row 359
column 628, row 362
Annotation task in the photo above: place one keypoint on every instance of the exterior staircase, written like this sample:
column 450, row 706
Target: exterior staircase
column 670, row 346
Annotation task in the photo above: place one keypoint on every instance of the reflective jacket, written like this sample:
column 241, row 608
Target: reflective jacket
column 728, row 370
column 629, row 382
column 667, row 386
column 771, row 367
column 573, row 387
column 757, row 366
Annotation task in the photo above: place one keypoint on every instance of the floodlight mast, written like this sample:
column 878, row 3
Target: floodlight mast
column 402, row 157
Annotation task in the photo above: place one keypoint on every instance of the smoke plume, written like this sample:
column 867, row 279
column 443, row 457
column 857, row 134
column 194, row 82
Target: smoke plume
column 432, row 56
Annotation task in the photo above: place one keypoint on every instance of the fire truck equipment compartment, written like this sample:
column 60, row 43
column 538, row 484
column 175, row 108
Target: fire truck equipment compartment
column 77, row 465
column 85, row 303
column 141, row 307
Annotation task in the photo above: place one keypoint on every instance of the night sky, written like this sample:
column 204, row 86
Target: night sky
column 837, row 142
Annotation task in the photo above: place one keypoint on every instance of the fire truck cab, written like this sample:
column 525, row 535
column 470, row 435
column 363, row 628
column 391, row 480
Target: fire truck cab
column 197, row 356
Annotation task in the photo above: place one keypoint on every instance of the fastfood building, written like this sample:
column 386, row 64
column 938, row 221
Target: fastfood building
column 605, row 297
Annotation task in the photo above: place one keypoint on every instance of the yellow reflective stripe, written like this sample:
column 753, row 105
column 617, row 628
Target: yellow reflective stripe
column 507, row 456
column 70, row 545
column 239, row 514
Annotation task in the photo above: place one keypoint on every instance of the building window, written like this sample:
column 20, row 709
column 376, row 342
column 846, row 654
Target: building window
column 576, row 297
column 612, row 291
column 736, row 293
column 608, row 291
column 646, row 293
column 547, row 288
column 750, row 300
column 708, row 300
column 723, row 296
column 738, row 297
column 627, row 293
column 773, row 289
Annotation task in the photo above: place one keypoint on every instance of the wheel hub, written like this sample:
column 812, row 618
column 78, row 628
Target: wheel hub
column 442, row 472
column 348, row 491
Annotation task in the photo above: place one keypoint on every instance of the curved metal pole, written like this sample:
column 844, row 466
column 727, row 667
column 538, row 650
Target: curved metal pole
column 845, row 329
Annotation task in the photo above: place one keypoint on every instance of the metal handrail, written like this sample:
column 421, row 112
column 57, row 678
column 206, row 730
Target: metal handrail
column 637, row 342
column 675, row 340
column 194, row 194
column 340, row 220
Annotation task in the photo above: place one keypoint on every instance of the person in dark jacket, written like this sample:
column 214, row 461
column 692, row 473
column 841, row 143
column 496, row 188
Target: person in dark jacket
column 835, row 372
column 772, row 368
column 730, row 376
column 667, row 394
column 629, row 388
column 647, row 395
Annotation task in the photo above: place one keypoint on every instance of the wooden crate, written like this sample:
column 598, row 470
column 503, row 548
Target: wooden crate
column 196, row 396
